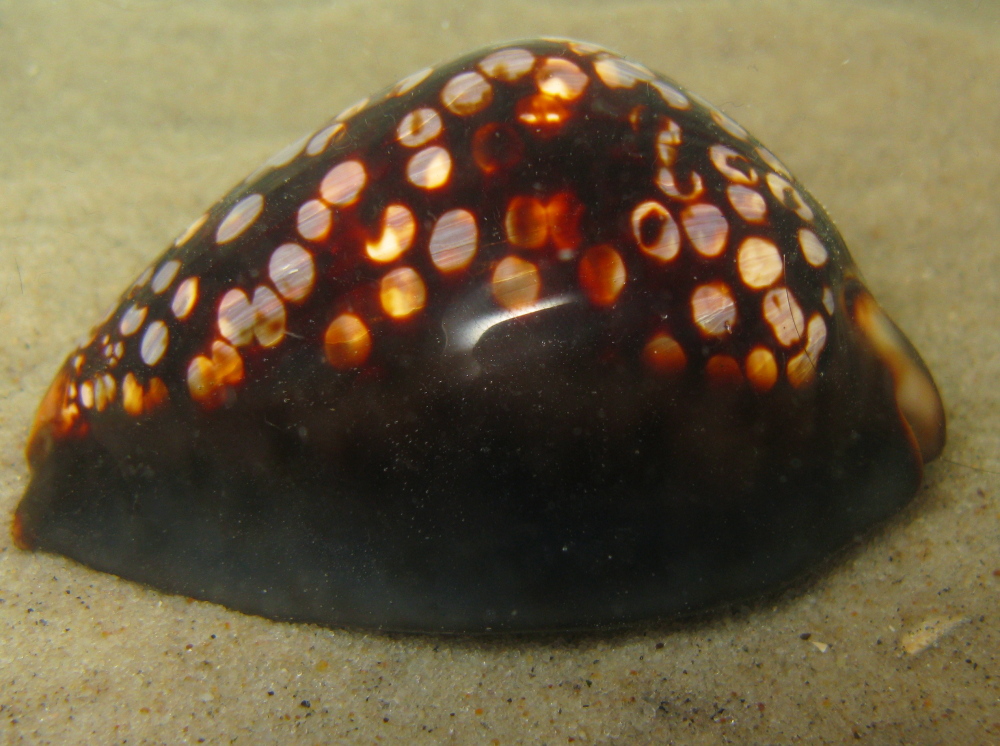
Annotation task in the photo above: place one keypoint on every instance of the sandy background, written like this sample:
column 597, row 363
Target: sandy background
column 120, row 121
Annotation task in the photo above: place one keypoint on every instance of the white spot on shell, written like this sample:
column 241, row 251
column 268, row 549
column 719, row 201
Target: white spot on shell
column 748, row 203
column 828, row 300
column 723, row 159
column 154, row 343
column 343, row 183
column 165, row 275
column 619, row 73
column 410, row 82
column 314, row 220
column 561, row 79
column 131, row 320
column 788, row 196
column 759, row 262
column 784, row 315
column 418, row 127
column 185, row 298
column 466, row 93
column 507, row 64
column 323, row 138
column 236, row 317
column 713, row 309
column 269, row 312
column 812, row 248
column 351, row 110
column 292, row 271
column 191, row 230
column 728, row 124
column 453, row 240
column 429, row 168
column 707, row 228
column 667, row 242
column 671, row 95
column 240, row 217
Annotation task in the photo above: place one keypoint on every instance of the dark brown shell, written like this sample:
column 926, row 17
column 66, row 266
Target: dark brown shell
column 532, row 340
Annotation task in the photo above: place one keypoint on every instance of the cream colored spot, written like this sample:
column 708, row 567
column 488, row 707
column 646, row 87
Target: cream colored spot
column 410, row 82
column 292, row 271
column 314, row 220
column 207, row 378
column 728, row 124
column 236, row 317
column 453, row 240
column 154, row 343
column 429, row 168
column 671, row 95
column 185, row 298
column 713, row 309
column 347, row 342
column 142, row 279
column 812, row 248
column 402, row 293
column 784, row 315
column 131, row 320
column 668, row 140
column 788, row 196
column 761, row 369
column 802, row 367
column 828, row 300
column 666, row 181
column 759, row 262
column 191, row 230
column 351, row 110
column 165, row 275
column 516, row 283
column 749, row 204
column 656, row 231
column 508, row 64
column 602, row 274
column 398, row 229
column 269, row 312
column 619, row 73
column 344, row 182
column 706, row 227
column 87, row 395
column 560, row 79
column 664, row 355
column 419, row 127
column 771, row 160
column 466, row 94
column 240, row 217
column 732, row 165
column 324, row 137
column 286, row 154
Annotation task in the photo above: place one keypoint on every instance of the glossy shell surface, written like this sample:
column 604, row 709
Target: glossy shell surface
column 534, row 339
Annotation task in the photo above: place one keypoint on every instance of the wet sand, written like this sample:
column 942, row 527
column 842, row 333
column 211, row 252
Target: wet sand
column 120, row 122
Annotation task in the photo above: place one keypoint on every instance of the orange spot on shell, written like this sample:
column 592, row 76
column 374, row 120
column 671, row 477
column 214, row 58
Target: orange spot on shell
column 497, row 146
column 56, row 418
column 347, row 342
column 761, row 369
column 663, row 354
column 602, row 274
column 402, row 293
column 545, row 113
column 526, row 223
column 516, row 283
column 208, row 378
column 724, row 370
